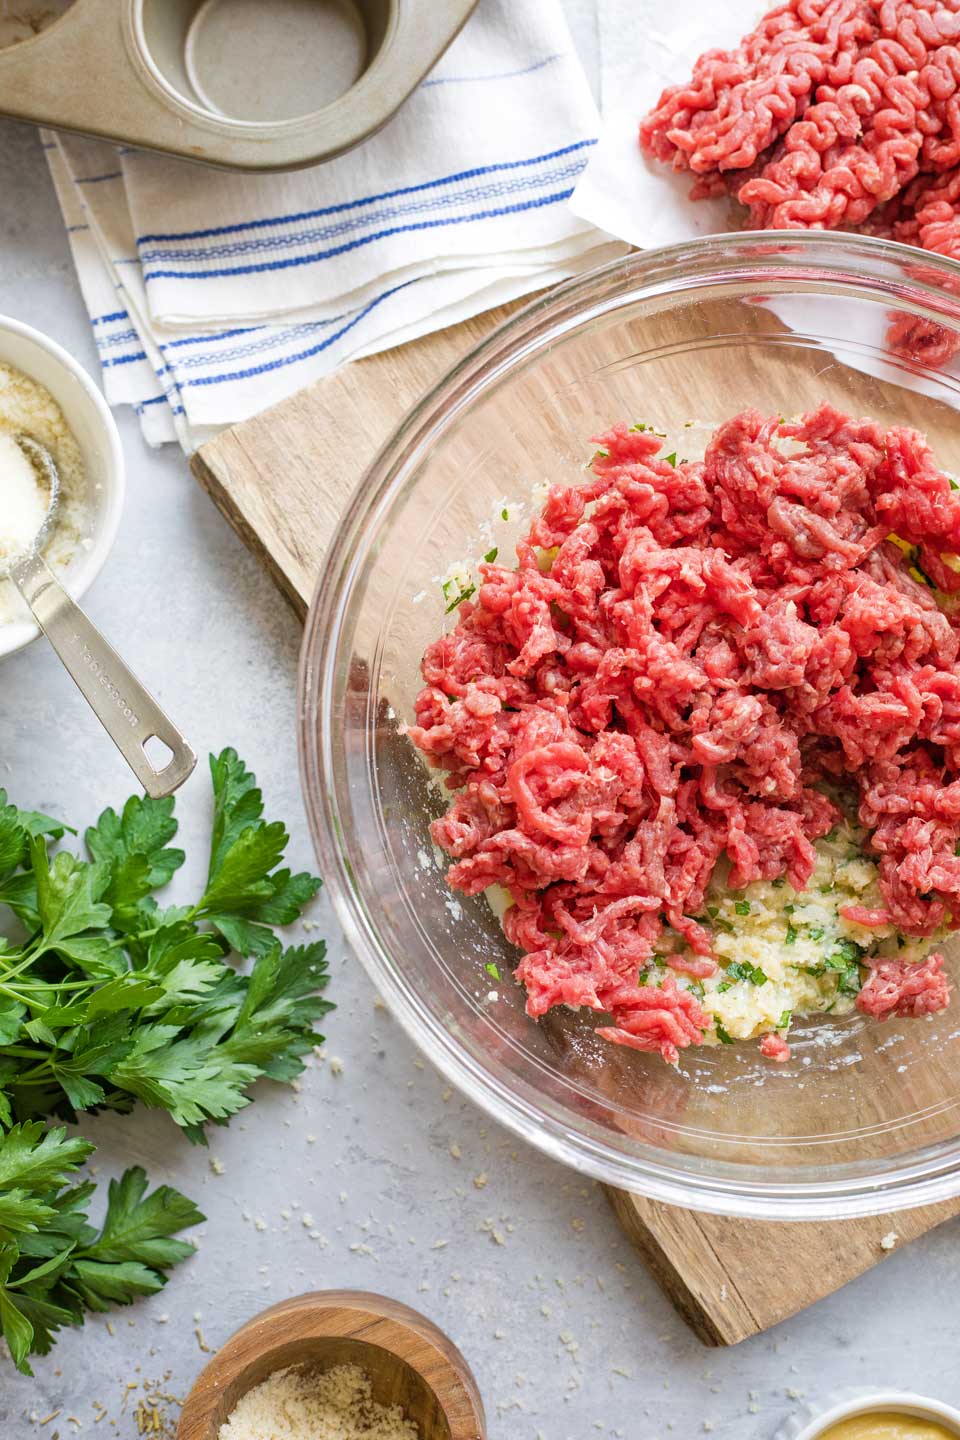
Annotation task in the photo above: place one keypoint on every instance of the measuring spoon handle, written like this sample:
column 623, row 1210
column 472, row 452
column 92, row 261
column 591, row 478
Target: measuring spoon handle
column 124, row 708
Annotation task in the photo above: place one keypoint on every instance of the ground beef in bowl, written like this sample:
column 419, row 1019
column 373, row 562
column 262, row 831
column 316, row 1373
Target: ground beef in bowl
column 698, row 676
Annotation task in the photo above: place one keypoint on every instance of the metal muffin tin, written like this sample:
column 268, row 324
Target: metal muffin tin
column 232, row 83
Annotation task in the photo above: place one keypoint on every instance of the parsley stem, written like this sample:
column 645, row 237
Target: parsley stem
column 28, row 1051
column 25, row 961
column 22, row 998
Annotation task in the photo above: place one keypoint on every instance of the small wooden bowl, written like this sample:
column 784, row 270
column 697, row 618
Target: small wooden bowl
column 410, row 1362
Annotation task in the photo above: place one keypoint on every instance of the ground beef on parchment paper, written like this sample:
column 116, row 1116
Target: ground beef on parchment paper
column 685, row 659
column 830, row 107
column 832, row 114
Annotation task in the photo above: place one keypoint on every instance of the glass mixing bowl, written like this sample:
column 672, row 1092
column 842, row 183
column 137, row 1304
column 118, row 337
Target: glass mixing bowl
column 864, row 1117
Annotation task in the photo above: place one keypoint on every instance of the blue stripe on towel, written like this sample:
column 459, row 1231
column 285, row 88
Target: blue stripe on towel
column 282, row 361
column 211, row 337
column 288, row 240
column 111, row 361
column 296, row 216
column 540, row 202
column 500, row 74
column 271, row 340
column 104, row 342
column 97, row 179
column 158, row 400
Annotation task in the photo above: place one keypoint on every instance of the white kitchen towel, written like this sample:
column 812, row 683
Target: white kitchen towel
column 644, row 47
column 129, row 377
column 217, row 294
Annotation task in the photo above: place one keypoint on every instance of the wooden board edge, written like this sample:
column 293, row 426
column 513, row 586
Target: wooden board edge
column 221, row 497
column 668, row 1277
column 739, row 1320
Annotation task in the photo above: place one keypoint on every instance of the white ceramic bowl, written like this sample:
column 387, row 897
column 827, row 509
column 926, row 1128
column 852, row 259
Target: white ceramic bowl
column 815, row 1421
column 88, row 416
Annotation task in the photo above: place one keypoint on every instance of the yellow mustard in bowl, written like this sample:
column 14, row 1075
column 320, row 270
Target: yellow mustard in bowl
column 887, row 1425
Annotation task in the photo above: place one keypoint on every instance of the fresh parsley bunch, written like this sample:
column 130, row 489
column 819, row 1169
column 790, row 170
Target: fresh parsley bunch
column 109, row 998
column 53, row 1264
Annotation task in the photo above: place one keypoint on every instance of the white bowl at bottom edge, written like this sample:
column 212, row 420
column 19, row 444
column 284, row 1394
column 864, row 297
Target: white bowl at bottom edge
column 814, row 1419
column 88, row 416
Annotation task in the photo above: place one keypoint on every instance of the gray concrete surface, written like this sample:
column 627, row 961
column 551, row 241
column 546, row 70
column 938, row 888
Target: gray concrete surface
column 567, row 1333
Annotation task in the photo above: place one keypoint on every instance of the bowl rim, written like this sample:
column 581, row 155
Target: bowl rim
column 18, row 634
column 921, row 1177
column 867, row 1402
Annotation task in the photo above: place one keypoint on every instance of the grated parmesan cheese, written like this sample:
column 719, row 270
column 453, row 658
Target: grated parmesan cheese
column 27, row 407
column 299, row 1404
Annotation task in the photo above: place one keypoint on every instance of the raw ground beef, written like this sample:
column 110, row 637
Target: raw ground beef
column 832, row 114
column 895, row 988
column 774, row 1047
column 682, row 657
column 830, row 107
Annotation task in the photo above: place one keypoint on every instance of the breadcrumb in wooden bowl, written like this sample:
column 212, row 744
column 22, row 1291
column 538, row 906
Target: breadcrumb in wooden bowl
column 397, row 1374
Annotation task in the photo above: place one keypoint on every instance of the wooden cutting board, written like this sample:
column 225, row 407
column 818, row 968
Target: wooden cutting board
column 280, row 480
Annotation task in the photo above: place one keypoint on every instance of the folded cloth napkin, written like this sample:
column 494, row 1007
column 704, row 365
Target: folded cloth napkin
column 642, row 50
column 212, row 295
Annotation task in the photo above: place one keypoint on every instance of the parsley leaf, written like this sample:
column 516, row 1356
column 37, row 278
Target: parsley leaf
column 133, row 845
column 465, row 592
column 54, row 1264
column 845, row 951
column 35, row 1159
column 743, row 970
column 68, row 895
column 139, row 1227
column 245, row 894
column 849, row 982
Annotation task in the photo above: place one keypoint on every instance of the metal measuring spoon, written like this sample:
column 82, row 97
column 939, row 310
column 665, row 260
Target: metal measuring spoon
column 130, row 716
